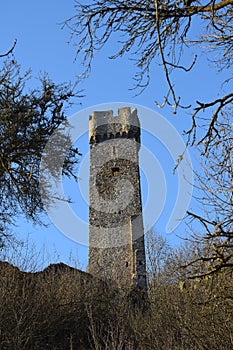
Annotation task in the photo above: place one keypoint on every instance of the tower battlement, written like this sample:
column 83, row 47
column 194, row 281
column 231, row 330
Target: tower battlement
column 103, row 125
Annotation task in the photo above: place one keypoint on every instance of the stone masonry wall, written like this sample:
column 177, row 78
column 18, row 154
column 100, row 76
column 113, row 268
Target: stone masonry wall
column 116, row 240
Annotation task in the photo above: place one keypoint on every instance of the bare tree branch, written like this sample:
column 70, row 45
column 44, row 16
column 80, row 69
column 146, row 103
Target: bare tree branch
column 10, row 50
column 158, row 32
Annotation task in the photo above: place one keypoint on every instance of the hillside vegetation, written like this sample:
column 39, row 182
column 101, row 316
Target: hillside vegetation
column 65, row 308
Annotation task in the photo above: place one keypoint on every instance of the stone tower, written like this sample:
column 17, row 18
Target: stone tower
column 116, row 235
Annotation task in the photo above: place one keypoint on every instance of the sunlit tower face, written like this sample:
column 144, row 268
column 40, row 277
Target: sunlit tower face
column 116, row 236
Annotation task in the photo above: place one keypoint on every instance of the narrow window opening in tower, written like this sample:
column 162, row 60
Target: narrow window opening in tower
column 126, row 264
column 134, row 262
column 114, row 151
column 116, row 171
column 140, row 262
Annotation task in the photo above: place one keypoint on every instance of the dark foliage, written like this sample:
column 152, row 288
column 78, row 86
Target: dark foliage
column 28, row 118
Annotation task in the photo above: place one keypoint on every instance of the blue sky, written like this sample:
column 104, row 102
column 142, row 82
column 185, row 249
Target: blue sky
column 43, row 46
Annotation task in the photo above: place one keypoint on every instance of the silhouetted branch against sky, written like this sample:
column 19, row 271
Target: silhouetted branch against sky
column 160, row 32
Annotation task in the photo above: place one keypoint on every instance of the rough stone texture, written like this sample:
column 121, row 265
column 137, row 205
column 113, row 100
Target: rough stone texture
column 116, row 236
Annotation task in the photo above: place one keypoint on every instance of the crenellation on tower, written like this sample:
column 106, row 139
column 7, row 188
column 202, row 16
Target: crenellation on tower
column 116, row 234
column 103, row 125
